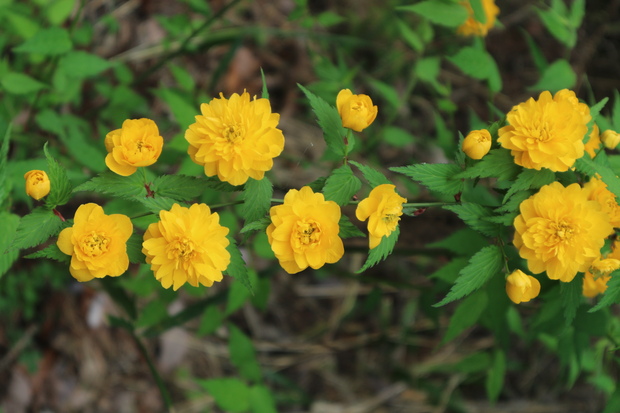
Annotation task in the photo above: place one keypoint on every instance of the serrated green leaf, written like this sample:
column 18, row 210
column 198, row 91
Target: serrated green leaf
column 21, row 84
column 495, row 377
column 466, row 315
column 318, row 184
column 52, row 252
column 571, row 296
column 237, row 267
column 256, row 199
column 436, row 177
column 513, row 203
column 36, row 228
column 156, row 204
column 49, row 42
column 530, row 179
column 230, row 394
column 374, row 177
column 329, row 121
column 108, row 182
column 485, row 264
column 611, row 294
column 179, row 187
column 134, row 249
column 474, row 216
column 497, row 163
column 381, row 251
column 261, row 400
column 80, row 64
column 595, row 110
column 243, row 355
column 348, row 229
column 10, row 222
column 60, row 187
column 341, row 185
column 258, row 225
column 445, row 13
column 590, row 168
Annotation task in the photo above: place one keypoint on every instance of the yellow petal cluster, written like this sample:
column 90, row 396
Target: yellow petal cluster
column 596, row 278
column 521, row 287
column 477, row 143
column 356, row 111
column 235, row 138
column 473, row 27
column 597, row 191
column 560, row 231
column 137, row 143
column 610, row 138
column 37, row 184
column 594, row 143
column 548, row 132
column 96, row 242
column 304, row 231
column 187, row 245
column 383, row 209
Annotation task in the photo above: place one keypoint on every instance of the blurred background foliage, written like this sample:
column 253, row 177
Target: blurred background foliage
column 320, row 341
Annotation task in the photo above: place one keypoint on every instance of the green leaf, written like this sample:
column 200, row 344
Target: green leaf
column 231, row 395
column 557, row 76
column 590, row 168
column 473, row 61
column 530, row 179
column 80, row 64
column 51, row 252
column 5, row 184
column 485, row 264
column 474, row 216
column 445, row 13
column 236, row 298
column 381, row 251
column 36, row 228
column 571, row 296
column 466, row 315
column 60, row 187
column 577, row 11
column 264, row 92
column 237, row 267
column 10, row 222
column 497, row 163
column 134, row 249
column 156, row 204
column 243, row 355
column 478, row 9
column 318, row 184
column 558, row 26
column 436, row 177
column 183, row 111
column 211, row 320
column 20, row 84
column 59, row 10
column 179, row 187
column 464, row 242
column 611, row 294
column 261, row 400
column 108, row 182
column 374, row 177
column 329, row 121
column 341, row 185
column 348, row 229
column 77, row 136
column 258, row 225
column 49, row 42
column 257, row 199
column 495, row 376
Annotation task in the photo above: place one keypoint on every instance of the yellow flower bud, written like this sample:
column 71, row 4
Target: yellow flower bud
column 356, row 111
column 610, row 139
column 477, row 143
column 37, row 184
column 521, row 287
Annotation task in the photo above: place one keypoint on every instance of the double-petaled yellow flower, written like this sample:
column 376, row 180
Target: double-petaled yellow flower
column 560, row 231
column 596, row 278
column 477, row 143
column 37, row 184
column 473, row 27
column 304, row 231
column 548, row 132
column 96, row 242
column 597, row 191
column 235, row 138
column 187, row 245
column 521, row 287
column 383, row 209
column 137, row 143
column 356, row 111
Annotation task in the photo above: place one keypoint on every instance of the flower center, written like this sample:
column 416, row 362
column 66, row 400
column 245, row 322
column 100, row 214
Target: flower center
column 307, row 234
column 563, row 231
column 233, row 133
column 181, row 249
column 95, row 244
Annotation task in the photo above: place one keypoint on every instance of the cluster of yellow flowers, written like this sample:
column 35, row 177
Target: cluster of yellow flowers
column 234, row 139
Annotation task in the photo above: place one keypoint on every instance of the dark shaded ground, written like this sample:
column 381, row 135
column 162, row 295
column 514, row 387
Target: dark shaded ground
column 327, row 361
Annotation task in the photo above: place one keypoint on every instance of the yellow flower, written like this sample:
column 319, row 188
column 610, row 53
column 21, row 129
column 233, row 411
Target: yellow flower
column 596, row 278
column 548, row 132
column 521, row 287
column 596, row 190
column 594, row 142
column 37, row 184
column 356, row 111
column 560, row 231
column 136, row 144
column 235, row 138
column 187, row 245
column 593, row 286
column 96, row 242
column 304, row 231
column 473, row 27
column 384, row 208
column 477, row 143
column 610, row 138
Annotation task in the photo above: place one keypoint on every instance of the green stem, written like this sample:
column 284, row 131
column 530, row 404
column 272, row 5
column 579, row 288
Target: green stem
column 225, row 204
column 427, row 204
column 158, row 380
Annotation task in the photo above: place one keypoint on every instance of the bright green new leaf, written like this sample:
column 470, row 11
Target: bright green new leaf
column 49, row 42
column 261, row 400
column 60, row 186
column 237, row 267
column 36, row 228
column 374, row 177
column 341, row 185
column 466, row 315
column 10, row 222
column 257, row 199
column 485, row 264
column 473, row 61
column 478, row 9
column 474, row 216
column 243, row 355
column 559, row 27
column 557, row 76
column 381, row 251
column 20, row 84
column 571, row 296
column 230, row 394
column 58, row 11
column 577, row 11
column 445, row 13
column 347, row 229
column 80, row 64
column 436, row 177
column 329, row 121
